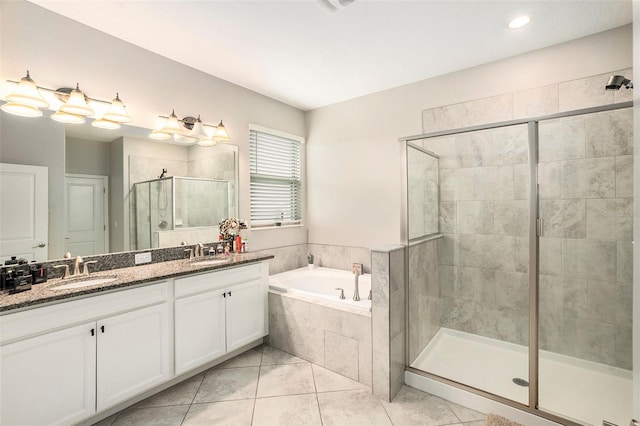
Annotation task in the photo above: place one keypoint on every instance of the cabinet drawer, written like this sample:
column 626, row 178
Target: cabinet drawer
column 42, row 319
column 213, row 280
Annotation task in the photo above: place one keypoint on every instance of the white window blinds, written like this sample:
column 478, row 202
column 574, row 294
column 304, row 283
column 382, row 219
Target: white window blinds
column 276, row 188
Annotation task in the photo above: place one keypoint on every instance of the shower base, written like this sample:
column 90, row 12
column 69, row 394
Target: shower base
column 583, row 391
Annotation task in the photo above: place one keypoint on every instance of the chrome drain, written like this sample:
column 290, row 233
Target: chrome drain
column 520, row 382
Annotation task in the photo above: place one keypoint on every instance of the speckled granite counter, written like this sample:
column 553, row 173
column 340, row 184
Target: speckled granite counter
column 125, row 277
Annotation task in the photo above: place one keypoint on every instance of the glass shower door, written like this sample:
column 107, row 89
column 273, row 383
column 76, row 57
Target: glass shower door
column 585, row 178
column 469, row 289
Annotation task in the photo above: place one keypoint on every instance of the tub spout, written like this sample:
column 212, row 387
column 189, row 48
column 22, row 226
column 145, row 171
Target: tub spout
column 357, row 270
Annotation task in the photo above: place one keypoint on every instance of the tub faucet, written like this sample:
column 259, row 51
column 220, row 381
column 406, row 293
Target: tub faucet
column 357, row 270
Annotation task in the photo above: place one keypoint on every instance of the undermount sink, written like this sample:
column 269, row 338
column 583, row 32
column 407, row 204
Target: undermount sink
column 209, row 262
column 86, row 283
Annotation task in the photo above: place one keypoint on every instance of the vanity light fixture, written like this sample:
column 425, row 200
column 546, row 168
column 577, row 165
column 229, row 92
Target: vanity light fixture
column 189, row 130
column 221, row 134
column 67, row 118
column 27, row 99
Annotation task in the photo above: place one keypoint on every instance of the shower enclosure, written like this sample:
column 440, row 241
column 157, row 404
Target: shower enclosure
column 521, row 290
column 175, row 202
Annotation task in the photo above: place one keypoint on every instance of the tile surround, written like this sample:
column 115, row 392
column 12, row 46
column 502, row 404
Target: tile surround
column 585, row 188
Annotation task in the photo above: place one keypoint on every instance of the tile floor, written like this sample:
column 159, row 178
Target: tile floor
column 266, row 386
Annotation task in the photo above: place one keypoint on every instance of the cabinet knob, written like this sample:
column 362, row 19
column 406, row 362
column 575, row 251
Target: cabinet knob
column 93, row 332
column 102, row 328
column 229, row 294
column 224, row 295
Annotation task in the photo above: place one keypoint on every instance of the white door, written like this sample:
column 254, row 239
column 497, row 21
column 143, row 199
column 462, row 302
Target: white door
column 24, row 211
column 49, row 379
column 200, row 329
column 86, row 215
column 245, row 314
column 133, row 354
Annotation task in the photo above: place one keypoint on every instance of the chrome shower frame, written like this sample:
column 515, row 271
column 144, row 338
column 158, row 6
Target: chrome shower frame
column 532, row 125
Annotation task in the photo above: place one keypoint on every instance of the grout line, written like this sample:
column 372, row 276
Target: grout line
column 255, row 396
column 313, row 377
column 386, row 412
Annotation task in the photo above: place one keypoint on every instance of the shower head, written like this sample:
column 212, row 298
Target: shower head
column 617, row 81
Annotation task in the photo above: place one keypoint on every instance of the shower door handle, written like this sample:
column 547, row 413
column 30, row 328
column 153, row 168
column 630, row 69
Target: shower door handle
column 539, row 227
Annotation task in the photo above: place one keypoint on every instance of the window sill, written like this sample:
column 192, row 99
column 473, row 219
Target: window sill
column 271, row 227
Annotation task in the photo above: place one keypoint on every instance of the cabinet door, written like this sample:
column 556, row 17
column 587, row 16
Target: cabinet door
column 49, row 379
column 245, row 314
column 200, row 329
column 133, row 354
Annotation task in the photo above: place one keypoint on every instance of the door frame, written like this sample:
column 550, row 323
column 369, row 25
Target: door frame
column 105, row 201
column 532, row 123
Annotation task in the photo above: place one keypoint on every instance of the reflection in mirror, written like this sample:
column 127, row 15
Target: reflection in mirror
column 167, row 210
column 82, row 159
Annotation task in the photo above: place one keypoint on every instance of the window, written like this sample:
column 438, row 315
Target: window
column 276, row 186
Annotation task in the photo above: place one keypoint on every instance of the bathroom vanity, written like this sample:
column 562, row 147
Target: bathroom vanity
column 68, row 355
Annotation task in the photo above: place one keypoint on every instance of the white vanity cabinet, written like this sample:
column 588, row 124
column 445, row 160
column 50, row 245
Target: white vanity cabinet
column 61, row 363
column 66, row 358
column 218, row 312
column 133, row 354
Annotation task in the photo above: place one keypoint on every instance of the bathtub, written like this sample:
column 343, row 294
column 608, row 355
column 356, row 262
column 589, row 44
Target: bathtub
column 319, row 284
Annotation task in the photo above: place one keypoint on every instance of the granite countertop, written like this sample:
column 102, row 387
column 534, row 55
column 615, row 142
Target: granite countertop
column 125, row 277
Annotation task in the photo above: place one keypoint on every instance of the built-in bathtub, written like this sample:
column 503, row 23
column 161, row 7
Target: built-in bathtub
column 321, row 284
column 308, row 319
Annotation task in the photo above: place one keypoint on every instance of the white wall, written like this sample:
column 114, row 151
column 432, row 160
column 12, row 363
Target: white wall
column 353, row 157
column 83, row 156
column 60, row 52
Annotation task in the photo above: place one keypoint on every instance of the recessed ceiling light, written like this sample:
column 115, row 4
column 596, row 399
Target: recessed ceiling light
column 519, row 22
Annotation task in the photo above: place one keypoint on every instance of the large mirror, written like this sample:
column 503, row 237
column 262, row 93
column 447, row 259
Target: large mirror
column 110, row 191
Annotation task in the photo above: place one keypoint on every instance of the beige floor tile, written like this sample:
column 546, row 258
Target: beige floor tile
column 466, row 414
column 350, row 408
column 327, row 381
column 476, row 423
column 411, row 406
column 108, row 421
column 231, row 413
column 251, row 358
column 293, row 410
column 286, row 379
column 180, row 394
column 156, row 416
column 228, row 384
column 273, row 356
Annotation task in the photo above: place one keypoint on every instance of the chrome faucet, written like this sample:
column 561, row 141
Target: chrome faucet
column 199, row 250
column 76, row 266
column 357, row 270
column 85, row 267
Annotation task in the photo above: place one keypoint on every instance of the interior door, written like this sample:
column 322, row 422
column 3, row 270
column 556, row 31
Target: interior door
column 86, row 214
column 24, row 214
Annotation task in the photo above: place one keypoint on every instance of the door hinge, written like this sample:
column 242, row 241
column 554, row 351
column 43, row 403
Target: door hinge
column 104, row 190
column 539, row 227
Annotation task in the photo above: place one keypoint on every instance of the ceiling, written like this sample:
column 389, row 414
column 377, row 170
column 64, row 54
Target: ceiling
column 298, row 52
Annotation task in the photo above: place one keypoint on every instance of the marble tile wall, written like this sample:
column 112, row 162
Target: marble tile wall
column 340, row 257
column 585, row 189
column 337, row 340
column 388, row 320
column 425, row 303
column 475, row 278
column 564, row 96
column 587, row 207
